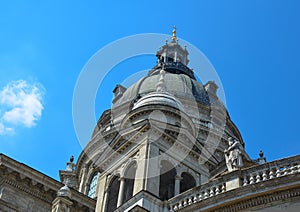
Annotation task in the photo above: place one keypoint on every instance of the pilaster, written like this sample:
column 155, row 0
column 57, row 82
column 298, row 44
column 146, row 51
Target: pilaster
column 140, row 171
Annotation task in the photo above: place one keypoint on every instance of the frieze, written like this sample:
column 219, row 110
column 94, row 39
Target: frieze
column 30, row 190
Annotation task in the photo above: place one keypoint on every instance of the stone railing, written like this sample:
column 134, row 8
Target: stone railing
column 197, row 194
column 244, row 177
column 270, row 170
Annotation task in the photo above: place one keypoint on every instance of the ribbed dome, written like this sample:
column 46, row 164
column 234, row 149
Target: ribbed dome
column 178, row 85
column 158, row 98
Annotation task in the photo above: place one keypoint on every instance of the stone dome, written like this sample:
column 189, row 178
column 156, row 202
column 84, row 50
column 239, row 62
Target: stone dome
column 179, row 79
column 181, row 86
column 158, row 98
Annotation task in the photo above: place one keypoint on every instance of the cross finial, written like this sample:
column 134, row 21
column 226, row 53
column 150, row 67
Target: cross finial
column 174, row 37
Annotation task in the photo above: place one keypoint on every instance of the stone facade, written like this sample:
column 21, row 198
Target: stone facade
column 167, row 144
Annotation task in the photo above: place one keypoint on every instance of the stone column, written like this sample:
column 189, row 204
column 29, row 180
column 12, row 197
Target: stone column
column 121, row 191
column 83, row 178
column 86, row 187
column 177, row 185
column 175, row 56
column 101, row 193
column 165, row 57
column 104, row 202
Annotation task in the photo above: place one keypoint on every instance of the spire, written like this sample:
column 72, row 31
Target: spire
column 174, row 37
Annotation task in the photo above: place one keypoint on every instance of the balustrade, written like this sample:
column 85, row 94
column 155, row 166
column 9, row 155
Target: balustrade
column 250, row 176
column 210, row 190
column 268, row 172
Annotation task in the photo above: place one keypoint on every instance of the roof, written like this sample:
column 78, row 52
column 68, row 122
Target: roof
column 179, row 85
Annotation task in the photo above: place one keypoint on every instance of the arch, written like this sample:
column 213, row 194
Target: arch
column 187, row 182
column 166, row 180
column 93, row 185
column 181, row 169
column 90, row 171
column 129, row 177
column 113, row 192
column 172, row 162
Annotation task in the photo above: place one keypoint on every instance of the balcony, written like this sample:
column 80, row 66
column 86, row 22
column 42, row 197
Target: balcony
column 273, row 177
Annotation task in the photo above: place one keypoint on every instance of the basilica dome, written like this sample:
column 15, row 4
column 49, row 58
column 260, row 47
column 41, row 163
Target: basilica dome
column 178, row 85
column 170, row 83
column 179, row 80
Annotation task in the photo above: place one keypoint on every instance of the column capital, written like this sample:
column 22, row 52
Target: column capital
column 177, row 177
column 121, row 179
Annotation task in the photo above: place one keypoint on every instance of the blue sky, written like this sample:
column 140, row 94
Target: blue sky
column 253, row 45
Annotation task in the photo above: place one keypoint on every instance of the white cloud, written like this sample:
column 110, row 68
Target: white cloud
column 6, row 130
column 21, row 105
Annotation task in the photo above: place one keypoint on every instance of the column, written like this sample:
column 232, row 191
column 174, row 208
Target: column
column 177, row 185
column 86, row 187
column 121, row 191
column 104, row 201
column 102, row 190
column 83, row 178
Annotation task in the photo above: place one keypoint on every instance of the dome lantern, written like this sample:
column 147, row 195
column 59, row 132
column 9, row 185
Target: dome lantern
column 173, row 57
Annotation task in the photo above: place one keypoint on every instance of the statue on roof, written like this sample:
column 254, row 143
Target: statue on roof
column 71, row 165
column 233, row 155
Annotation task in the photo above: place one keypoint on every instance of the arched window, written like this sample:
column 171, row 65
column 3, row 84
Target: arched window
column 187, row 182
column 167, row 180
column 113, row 192
column 171, row 59
column 129, row 182
column 93, row 185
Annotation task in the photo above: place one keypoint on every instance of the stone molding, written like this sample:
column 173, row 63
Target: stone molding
column 29, row 190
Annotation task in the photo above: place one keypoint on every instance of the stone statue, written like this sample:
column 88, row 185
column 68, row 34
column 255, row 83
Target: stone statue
column 233, row 155
column 70, row 165
column 261, row 159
